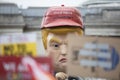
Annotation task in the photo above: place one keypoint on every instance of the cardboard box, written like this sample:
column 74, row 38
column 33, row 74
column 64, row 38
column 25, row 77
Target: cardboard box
column 97, row 57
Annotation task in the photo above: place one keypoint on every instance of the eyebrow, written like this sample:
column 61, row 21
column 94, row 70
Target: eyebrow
column 55, row 40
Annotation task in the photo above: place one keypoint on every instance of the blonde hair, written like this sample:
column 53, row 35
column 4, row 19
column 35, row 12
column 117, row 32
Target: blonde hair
column 63, row 30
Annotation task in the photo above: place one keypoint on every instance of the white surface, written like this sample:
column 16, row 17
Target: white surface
column 26, row 3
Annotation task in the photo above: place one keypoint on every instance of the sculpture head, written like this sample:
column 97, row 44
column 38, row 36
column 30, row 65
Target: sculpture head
column 57, row 23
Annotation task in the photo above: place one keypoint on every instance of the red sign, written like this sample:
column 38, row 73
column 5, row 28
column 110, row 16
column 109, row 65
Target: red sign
column 11, row 67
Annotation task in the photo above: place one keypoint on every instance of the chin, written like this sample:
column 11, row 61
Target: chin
column 63, row 64
column 61, row 67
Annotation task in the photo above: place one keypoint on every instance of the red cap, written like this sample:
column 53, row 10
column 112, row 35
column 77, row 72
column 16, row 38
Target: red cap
column 62, row 16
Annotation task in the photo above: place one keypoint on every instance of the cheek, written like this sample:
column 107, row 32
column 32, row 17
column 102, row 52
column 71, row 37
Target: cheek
column 54, row 54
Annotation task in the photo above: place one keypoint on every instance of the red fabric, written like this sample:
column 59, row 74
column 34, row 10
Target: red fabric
column 62, row 16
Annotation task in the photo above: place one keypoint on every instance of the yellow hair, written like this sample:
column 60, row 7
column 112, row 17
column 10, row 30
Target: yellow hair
column 63, row 30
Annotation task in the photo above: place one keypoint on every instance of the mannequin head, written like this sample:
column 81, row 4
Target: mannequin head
column 56, row 25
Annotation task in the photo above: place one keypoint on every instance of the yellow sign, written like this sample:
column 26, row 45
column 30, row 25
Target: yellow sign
column 18, row 44
column 19, row 49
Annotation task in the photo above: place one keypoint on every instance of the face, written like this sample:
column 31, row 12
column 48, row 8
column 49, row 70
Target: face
column 57, row 49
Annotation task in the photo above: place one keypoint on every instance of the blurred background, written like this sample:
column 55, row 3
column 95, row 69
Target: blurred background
column 100, row 17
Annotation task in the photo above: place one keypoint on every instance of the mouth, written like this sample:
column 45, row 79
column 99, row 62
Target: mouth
column 63, row 60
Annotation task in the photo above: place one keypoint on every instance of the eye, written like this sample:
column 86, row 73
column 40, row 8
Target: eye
column 55, row 45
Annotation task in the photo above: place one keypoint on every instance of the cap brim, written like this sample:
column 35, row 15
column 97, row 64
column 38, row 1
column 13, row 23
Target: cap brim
column 63, row 22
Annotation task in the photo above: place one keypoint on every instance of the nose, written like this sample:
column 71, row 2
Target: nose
column 63, row 49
